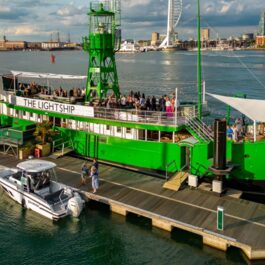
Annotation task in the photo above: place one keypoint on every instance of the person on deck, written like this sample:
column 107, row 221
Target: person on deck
column 95, row 164
column 229, row 132
column 95, row 179
column 84, row 173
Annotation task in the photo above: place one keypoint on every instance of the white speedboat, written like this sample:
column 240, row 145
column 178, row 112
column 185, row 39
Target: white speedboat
column 33, row 185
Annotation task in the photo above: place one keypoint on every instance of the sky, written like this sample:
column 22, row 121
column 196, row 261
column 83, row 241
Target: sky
column 36, row 20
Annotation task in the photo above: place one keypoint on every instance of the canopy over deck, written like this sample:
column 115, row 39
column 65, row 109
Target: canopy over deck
column 47, row 75
column 252, row 108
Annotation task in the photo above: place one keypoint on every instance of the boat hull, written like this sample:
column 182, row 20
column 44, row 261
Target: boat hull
column 29, row 201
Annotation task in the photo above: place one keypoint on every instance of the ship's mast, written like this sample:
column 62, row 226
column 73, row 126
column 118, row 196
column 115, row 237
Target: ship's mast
column 101, row 44
column 199, row 63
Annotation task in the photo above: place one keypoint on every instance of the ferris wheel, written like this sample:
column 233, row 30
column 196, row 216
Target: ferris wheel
column 174, row 15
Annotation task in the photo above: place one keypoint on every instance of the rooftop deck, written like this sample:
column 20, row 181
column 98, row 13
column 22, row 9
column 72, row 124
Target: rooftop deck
column 191, row 210
column 132, row 115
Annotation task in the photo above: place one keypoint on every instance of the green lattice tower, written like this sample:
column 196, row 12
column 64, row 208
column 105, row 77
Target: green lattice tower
column 103, row 42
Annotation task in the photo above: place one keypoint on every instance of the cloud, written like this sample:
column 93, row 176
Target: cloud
column 7, row 13
column 139, row 17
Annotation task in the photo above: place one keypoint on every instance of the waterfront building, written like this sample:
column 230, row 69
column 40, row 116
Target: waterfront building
column 155, row 41
column 12, row 45
column 248, row 36
column 129, row 46
column 51, row 45
column 205, row 34
column 143, row 43
column 34, row 45
column 260, row 39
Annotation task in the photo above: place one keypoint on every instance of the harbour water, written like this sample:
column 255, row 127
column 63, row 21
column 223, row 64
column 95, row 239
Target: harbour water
column 100, row 237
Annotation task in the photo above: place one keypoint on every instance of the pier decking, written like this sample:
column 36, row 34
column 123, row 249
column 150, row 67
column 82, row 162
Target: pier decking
column 190, row 210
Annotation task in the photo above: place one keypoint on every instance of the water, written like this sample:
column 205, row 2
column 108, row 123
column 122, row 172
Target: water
column 100, row 237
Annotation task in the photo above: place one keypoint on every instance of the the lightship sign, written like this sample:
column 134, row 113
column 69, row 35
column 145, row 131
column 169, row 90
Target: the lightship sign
column 51, row 106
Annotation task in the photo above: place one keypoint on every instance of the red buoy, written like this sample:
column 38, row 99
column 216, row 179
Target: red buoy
column 53, row 58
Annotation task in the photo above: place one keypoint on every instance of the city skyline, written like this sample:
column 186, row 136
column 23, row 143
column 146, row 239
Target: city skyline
column 37, row 20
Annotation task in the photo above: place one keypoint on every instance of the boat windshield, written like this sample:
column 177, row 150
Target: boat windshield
column 42, row 179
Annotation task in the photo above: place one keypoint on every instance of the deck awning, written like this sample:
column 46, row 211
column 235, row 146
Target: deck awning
column 47, row 75
column 252, row 108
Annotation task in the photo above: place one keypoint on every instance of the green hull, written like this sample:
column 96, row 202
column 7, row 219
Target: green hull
column 247, row 156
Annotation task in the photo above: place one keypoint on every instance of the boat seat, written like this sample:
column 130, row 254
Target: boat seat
column 55, row 197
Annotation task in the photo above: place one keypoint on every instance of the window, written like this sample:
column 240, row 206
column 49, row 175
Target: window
column 118, row 129
column 128, row 130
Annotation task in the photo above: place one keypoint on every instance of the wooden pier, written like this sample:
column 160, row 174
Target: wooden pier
column 194, row 211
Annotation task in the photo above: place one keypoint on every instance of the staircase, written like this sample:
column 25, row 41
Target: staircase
column 61, row 147
column 176, row 181
column 199, row 128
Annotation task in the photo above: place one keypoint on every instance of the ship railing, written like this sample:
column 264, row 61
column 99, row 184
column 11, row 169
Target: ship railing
column 61, row 145
column 9, row 135
column 141, row 116
column 169, row 165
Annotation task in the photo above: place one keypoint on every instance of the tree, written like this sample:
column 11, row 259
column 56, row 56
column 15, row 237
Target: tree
column 43, row 132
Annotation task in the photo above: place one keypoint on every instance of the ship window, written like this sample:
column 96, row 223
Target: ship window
column 141, row 134
column 166, row 137
column 152, row 136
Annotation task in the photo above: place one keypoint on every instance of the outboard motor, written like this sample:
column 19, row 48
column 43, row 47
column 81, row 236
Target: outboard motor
column 75, row 205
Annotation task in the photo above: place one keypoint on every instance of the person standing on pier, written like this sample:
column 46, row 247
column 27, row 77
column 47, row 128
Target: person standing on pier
column 95, row 164
column 84, row 173
column 95, row 178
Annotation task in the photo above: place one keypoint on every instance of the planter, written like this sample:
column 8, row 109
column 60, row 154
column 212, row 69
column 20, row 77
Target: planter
column 24, row 154
column 45, row 149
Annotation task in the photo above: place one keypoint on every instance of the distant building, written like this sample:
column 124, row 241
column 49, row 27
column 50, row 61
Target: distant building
column 260, row 41
column 155, row 41
column 12, row 45
column 50, row 45
column 144, row 43
column 248, row 36
column 261, row 31
column 34, row 45
column 129, row 46
column 205, row 34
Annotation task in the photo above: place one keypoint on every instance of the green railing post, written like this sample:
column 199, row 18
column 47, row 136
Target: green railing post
column 199, row 63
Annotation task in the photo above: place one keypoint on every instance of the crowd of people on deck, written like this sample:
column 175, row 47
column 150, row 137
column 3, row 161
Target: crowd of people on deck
column 133, row 100
column 33, row 89
column 139, row 101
